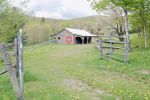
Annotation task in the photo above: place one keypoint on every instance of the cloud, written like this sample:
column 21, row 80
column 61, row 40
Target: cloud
column 61, row 8
column 45, row 5
column 72, row 14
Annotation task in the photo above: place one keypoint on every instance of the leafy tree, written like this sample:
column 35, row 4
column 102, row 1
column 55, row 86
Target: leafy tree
column 37, row 32
column 115, row 20
column 100, row 5
column 141, row 11
column 11, row 20
column 64, row 24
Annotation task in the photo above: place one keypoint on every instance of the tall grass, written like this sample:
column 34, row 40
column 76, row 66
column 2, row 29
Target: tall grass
column 139, row 41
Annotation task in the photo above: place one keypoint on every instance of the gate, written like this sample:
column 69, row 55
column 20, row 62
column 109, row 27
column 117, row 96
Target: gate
column 110, row 54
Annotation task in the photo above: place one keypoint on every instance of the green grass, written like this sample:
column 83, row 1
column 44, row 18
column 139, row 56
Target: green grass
column 70, row 72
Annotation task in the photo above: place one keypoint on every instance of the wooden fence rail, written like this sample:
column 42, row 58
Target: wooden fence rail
column 4, row 71
column 16, row 66
column 10, row 44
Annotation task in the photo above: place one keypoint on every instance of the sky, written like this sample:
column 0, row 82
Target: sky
column 61, row 9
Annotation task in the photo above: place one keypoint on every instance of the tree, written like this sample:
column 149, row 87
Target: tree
column 43, row 19
column 100, row 5
column 115, row 20
column 11, row 20
column 64, row 24
column 37, row 32
column 141, row 11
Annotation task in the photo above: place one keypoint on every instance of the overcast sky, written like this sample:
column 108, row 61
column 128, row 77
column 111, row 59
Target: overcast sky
column 61, row 9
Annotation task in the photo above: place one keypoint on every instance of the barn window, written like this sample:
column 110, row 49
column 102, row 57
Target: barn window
column 58, row 38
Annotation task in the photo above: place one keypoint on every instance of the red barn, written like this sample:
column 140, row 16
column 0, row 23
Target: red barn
column 73, row 36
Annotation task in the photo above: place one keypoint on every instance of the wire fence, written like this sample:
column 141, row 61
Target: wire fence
column 32, row 47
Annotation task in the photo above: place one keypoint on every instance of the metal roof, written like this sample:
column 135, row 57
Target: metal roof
column 79, row 32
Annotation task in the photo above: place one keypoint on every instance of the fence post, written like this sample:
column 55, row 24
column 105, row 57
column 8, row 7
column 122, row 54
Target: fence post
column 126, row 51
column 16, row 58
column 101, row 52
column 11, row 72
column 110, row 49
column 21, row 72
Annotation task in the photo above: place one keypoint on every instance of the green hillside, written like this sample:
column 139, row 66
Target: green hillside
column 46, row 26
column 70, row 72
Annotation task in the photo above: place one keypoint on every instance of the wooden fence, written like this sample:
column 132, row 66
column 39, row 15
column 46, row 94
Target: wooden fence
column 112, row 47
column 9, row 67
column 32, row 47
column 16, row 66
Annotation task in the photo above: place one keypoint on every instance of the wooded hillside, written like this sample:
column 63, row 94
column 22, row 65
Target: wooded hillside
column 38, row 29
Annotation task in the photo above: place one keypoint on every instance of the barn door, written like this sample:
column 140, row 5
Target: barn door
column 68, row 39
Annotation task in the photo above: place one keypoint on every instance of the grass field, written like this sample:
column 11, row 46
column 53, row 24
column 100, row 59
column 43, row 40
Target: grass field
column 70, row 72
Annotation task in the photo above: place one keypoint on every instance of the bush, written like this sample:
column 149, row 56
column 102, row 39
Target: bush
column 37, row 32
column 139, row 41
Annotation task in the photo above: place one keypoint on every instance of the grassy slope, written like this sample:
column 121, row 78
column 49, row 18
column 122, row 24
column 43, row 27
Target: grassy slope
column 68, row 72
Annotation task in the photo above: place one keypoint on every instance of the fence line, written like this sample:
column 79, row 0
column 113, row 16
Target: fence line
column 32, row 47
column 111, row 46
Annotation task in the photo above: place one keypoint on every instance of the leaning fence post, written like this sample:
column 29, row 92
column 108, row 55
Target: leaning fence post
column 101, row 52
column 16, row 58
column 11, row 72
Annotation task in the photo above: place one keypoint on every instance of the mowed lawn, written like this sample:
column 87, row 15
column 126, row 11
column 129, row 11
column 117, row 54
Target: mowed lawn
column 71, row 72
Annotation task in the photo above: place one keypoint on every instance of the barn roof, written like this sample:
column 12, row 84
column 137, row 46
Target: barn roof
column 77, row 32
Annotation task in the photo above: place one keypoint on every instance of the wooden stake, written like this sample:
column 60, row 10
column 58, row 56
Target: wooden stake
column 101, row 52
column 16, row 58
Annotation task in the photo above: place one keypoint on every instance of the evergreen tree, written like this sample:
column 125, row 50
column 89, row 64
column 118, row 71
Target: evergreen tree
column 43, row 20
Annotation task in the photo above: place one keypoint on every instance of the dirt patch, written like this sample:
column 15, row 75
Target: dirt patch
column 99, row 91
column 145, row 71
column 102, row 66
column 117, row 99
column 76, row 84
column 102, row 92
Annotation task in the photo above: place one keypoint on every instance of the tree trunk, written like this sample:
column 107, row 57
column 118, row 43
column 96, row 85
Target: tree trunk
column 121, row 39
column 127, row 30
column 145, row 35
column 139, row 31
column 121, row 34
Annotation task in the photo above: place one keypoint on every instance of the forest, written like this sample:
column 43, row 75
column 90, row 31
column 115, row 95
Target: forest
column 112, row 22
